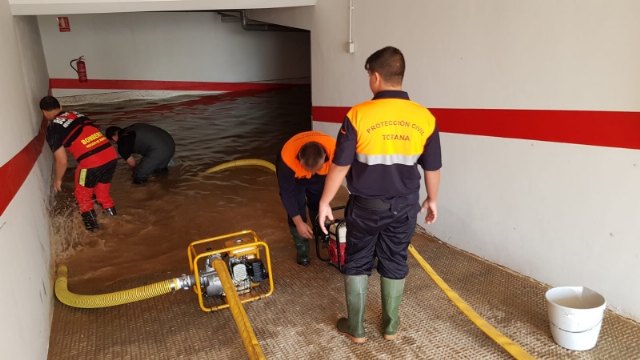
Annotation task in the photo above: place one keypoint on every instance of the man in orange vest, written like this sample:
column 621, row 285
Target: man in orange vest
column 95, row 156
column 302, row 166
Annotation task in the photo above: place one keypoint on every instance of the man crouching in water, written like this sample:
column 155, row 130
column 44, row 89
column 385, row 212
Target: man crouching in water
column 95, row 156
column 154, row 144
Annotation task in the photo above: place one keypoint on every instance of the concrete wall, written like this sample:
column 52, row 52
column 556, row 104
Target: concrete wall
column 180, row 47
column 562, row 213
column 25, row 257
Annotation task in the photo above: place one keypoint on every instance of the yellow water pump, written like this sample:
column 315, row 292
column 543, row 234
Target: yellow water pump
column 241, row 254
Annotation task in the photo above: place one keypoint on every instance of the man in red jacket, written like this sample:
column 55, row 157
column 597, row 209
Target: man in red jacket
column 72, row 131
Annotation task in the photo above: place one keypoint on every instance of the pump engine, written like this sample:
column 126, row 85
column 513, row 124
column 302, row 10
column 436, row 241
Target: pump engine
column 244, row 272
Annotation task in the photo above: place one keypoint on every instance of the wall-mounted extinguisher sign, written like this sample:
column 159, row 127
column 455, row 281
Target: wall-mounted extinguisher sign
column 63, row 24
column 80, row 68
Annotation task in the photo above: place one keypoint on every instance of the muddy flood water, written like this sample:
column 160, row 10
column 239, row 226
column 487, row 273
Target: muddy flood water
column 157, row 221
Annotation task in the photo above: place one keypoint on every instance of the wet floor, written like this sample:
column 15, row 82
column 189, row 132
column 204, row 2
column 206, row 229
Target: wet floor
column 157, row 221
column 147, row 242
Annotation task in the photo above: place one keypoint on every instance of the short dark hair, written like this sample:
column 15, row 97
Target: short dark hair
column 49, row 103
column 389, row 63
column 111, row 131
column 312, row 154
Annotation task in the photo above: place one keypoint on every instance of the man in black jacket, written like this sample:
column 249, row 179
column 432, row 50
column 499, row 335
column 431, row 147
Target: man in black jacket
column 154, row 144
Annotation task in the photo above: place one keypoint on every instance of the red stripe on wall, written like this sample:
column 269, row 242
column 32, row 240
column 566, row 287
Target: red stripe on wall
column 160, row 85
column 15, row 171
column 198, row 101
column 600, row 128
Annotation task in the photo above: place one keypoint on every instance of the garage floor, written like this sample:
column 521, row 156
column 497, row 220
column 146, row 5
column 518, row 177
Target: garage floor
column 148, row 239
column 297, row 321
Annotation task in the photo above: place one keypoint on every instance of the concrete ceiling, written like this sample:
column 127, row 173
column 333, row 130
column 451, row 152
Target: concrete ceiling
column 66, row 7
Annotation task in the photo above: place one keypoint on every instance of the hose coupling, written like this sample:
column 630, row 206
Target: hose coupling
column 185, row 282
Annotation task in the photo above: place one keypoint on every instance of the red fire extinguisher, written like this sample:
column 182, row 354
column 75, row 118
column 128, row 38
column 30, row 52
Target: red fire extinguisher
column 80, row 68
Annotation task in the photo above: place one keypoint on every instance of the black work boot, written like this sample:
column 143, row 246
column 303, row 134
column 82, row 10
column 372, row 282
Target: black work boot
column 111, row 211
column 90, row 220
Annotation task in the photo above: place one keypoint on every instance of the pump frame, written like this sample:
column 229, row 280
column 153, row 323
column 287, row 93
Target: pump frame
column 322, row 239
column 253, row 246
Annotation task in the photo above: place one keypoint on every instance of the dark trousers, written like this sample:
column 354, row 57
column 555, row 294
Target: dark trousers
column 381, row 230
column 153, row 162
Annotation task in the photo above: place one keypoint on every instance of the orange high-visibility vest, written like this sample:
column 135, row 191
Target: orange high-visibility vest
column 291, row 148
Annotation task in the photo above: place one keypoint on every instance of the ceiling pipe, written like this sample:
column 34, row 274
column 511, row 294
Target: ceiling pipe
column 253, row 25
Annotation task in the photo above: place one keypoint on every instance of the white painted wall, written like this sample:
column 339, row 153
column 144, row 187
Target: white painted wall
column 173, row 47
column 25, row 257
column 563, row 214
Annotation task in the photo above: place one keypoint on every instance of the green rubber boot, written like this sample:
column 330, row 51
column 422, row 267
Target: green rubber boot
column 391, row 291
column 302, row 247
column 356, row 292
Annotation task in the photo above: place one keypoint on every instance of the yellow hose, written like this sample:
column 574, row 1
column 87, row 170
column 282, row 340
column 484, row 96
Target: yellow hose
column 111, row 299
column 512, row 348
column 238, row 313
column 242, row 162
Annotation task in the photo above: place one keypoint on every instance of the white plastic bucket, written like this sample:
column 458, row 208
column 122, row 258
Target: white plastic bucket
column 575, row 316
